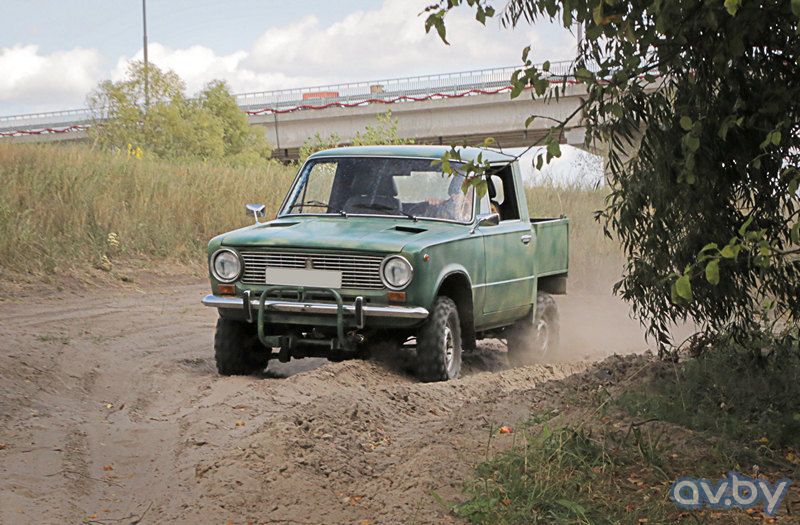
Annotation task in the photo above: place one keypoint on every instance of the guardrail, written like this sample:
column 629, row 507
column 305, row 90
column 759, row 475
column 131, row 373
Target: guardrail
column 402, row 89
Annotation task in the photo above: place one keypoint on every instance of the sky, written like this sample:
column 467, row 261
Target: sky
column 53, row 53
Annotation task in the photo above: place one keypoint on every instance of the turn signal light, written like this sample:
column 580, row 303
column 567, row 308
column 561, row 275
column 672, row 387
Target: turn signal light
column 396, row 297
column 226, row 289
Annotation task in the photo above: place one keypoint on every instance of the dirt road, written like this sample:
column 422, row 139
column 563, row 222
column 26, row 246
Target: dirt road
column 111, row 412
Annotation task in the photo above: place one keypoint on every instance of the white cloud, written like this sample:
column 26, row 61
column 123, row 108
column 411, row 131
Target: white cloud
column 389, row 41
column 59, row 80
column 386, row 41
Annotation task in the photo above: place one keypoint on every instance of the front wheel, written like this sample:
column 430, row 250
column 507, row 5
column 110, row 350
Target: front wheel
column 439, row 343
column 237, row 349
column 535, row 338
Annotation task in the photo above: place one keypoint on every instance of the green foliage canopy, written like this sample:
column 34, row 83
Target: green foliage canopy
column 697, row 103
column 168, row 124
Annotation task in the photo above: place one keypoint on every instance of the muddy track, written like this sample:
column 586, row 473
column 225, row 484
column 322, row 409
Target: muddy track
column 111, row 412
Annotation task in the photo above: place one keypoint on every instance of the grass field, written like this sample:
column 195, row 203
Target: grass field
column 66, row 207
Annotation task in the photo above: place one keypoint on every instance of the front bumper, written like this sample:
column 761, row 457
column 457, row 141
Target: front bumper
column 252, row 304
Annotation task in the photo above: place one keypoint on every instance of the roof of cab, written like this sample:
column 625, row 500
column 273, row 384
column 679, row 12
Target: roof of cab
column 413, row 150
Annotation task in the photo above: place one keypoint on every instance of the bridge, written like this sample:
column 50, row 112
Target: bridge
column 452, row 108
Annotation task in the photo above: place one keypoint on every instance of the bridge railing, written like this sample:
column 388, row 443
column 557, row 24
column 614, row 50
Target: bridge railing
column 345, row 93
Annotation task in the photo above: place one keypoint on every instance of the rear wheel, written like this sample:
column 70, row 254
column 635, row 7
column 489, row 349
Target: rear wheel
column 237, row 348
column 439, row 343
column 535, row 338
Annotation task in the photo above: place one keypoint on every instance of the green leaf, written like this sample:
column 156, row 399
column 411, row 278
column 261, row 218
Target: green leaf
column 541, row 86
column 482, row 187
column 729, row 251
column 571, row 506
column 553, row 149
column 517, row 88
column 793, row 186
column 709, row 246
column 796, row 8
column 732, row 6
column 480, row 15
column 529, row 120
column 794, row 233
column 776, row 137
column 546, row 65
column 583, row 74
column 683, row 287
column 597, row 14
column 712, row 272
column 686, row 123
column 747, row 223
column 692, row 142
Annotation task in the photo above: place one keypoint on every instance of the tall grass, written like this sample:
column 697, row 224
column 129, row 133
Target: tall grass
column 59, row 204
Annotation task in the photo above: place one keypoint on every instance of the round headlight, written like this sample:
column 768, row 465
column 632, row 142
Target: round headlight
column 396, row 272
column 226, row 266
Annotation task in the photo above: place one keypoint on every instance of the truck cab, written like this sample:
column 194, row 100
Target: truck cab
column 376, row 245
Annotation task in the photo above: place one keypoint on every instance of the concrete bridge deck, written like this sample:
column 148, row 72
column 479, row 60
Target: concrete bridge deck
column 452, row 108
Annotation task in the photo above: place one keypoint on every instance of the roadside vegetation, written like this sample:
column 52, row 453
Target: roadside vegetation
column 65, row 207
column 608, row 453
column 698, row 105
column 161, row 121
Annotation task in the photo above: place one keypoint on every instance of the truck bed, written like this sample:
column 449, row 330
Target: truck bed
column 551, row 253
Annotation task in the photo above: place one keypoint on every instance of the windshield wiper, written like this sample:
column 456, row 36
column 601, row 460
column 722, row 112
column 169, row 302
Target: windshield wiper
column 317, row 204
column 378, row 206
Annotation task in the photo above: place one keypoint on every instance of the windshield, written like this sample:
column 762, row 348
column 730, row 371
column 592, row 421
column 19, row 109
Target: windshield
column 415, row 188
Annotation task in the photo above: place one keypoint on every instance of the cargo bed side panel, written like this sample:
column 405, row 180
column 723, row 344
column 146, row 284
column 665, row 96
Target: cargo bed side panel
column 551, row 252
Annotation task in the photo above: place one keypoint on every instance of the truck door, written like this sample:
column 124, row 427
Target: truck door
column 508, row 249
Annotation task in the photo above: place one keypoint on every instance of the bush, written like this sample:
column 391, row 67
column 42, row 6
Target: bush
column 168, row 125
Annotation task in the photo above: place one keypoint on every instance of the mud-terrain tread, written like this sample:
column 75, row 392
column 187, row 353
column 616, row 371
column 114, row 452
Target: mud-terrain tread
column 523, row 349
column 431, row 362
column 237, row 349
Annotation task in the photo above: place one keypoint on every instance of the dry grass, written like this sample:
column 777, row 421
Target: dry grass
column 60, row 204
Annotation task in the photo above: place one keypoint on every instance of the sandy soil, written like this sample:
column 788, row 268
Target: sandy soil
column 111, row 412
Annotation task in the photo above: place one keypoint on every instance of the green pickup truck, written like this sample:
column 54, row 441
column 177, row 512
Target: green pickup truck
column 376, row 246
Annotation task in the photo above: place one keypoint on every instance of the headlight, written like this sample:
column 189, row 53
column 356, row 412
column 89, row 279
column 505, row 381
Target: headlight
column 225, row 265
column 396, row 272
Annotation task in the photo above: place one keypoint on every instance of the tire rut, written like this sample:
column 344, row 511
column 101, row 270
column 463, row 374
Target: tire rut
column 110, row 405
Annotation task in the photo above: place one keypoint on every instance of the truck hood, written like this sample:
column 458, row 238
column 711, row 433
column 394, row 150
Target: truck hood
column 351, row 233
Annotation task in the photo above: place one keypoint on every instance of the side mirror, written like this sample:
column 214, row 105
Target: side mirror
column 493, row 219
column 258, row 210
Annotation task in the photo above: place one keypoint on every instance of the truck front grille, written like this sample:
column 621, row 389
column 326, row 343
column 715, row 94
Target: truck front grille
column 358, row 271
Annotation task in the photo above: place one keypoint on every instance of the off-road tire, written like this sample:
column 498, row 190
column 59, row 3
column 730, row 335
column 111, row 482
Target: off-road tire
column 237, row 348
column 440, row 333
column 535, row 339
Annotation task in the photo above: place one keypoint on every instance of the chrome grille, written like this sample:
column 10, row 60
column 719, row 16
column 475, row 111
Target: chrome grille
column 358, row 271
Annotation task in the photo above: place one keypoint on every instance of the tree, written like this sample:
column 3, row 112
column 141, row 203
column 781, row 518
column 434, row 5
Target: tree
column 698, row 104
column 172, row 126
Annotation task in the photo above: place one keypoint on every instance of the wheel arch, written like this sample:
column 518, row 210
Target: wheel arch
column 457, row 286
